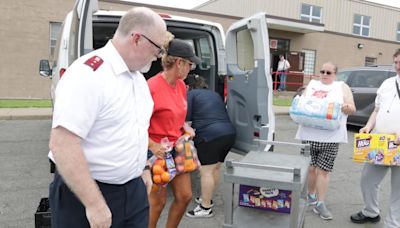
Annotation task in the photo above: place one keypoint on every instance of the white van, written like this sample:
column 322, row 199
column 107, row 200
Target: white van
column 238, row 66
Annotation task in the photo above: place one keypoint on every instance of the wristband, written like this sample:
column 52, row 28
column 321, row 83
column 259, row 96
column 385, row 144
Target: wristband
column 146, row 167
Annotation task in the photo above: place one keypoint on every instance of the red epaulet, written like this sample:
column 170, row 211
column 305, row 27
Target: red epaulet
column 94, row 62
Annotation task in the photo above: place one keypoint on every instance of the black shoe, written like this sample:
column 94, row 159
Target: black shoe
column 360, row 218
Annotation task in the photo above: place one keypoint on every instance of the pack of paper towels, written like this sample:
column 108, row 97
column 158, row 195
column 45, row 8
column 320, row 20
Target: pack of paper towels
column 317, row 113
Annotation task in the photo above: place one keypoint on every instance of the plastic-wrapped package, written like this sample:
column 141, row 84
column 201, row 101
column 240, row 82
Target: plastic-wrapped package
column 316, row 113
column 163, row 169
column 186, row 158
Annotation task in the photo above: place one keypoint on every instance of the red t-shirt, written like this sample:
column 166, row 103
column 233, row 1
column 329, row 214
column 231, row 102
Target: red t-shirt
column 170, row 107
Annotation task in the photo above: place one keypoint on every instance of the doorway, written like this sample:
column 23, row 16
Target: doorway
column 274, row 67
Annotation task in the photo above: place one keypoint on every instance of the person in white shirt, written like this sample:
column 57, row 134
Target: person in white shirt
column 99, row 137
column 283, row 67
column 325, row 143
column 384, row 119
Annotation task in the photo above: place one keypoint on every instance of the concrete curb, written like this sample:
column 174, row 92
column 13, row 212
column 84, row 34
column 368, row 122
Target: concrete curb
column 26, row 117
column 281, row 110
column 25, row 113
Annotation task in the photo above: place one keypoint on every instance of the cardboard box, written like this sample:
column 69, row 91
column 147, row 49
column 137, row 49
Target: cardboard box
column 376, row 149
column 269, row 199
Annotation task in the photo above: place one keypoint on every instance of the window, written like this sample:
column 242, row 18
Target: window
column 245, row 50
column 398, row 32
column 370, row 61
column 367, row 79
column 309, row 61
column 55, row 28
column 361, row 25
column 205, row 53
column 343, row 76
column 282, row 45
column 310, row 13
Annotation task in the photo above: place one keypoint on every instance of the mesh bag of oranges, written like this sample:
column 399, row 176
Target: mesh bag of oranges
column 163, row 169
column 186, row 159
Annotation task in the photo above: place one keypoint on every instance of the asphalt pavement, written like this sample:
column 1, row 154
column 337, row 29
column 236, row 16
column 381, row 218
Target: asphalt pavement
column 24, row 174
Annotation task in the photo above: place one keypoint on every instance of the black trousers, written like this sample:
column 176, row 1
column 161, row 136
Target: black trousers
column 128, row 204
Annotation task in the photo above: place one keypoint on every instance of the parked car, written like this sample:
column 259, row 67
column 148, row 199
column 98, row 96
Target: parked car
column 364, row 82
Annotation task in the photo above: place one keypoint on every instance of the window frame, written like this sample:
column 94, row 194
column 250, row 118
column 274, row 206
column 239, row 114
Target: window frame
column 53, row 37
column 370, row 61
column 310, row 17
column 361, row 25
column 398, row 32
column 310, row 57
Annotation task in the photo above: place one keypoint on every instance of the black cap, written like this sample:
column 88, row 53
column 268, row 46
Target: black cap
column 181, row 48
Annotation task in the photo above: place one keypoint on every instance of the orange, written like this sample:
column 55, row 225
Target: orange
column 157, row 179
column 179, row 147
column 160, row 162
column 189, row 165
column 157, row 169
column 165, row 177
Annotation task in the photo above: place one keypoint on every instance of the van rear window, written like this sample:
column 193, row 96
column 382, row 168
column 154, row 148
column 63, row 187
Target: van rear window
column 102, row 32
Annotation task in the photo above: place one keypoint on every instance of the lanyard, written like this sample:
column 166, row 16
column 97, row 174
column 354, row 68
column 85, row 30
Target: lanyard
column 397, row 88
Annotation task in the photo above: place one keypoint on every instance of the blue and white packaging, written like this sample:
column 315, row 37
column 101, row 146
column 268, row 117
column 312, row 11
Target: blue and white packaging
column 316, row 113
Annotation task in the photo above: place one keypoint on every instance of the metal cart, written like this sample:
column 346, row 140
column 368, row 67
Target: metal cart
column 275, row 170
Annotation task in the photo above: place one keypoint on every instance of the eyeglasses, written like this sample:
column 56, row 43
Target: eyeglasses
column 326, row 72
column 191, row 64
column 161, row 50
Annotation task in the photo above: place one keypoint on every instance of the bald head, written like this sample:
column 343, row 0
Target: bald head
column 332, row 65
column 139, row 19
column 140, row 34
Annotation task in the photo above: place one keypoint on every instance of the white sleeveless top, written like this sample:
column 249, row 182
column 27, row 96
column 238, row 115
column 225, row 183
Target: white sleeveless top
column 332, row 93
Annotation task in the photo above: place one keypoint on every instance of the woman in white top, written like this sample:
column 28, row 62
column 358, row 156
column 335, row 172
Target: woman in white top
column 325, row 143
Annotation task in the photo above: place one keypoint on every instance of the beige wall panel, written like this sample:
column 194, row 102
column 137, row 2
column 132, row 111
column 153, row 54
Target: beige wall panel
column 24, row 36
column 283, row 8
column 225, row 22
column 341, row 50
column 337, row 15
column 24, row 40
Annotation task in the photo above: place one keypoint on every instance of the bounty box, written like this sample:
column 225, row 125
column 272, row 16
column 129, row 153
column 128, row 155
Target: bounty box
column 270, row 199
column 378, row 149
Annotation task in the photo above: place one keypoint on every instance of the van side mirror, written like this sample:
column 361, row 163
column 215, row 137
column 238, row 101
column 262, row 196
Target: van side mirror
column 44, row 68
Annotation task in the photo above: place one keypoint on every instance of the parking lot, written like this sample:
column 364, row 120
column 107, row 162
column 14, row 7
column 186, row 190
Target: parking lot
column 24, row 178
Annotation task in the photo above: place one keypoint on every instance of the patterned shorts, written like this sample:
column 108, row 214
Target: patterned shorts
column 323, row 154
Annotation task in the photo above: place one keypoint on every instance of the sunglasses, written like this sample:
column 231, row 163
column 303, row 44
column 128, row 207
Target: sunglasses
column 326, row 72
column 161, row 50
column 191, row 64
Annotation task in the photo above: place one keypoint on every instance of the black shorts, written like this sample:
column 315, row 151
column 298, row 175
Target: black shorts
column 215, row 150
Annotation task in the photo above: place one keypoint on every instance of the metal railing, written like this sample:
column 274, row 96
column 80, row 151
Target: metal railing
column 305, row 79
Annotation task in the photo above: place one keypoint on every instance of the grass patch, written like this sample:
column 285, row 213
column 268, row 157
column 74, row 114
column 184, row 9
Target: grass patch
column 25, row 103
column 37, row 103
column 282, row 101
